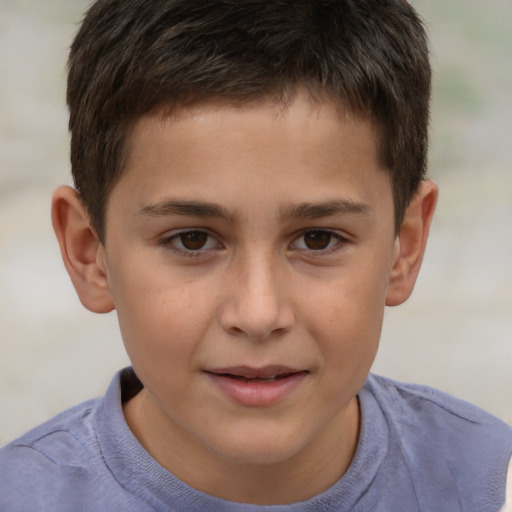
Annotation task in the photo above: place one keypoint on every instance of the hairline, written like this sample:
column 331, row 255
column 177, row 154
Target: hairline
column 169, row 110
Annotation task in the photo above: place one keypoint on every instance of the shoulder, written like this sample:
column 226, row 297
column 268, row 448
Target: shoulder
column 63, row 448
column 61, row 465
column 411, row 403
column 64, row 438
column 446, row 442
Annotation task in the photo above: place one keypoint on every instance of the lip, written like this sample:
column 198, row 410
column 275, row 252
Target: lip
column 257, row 387
column 250, row 372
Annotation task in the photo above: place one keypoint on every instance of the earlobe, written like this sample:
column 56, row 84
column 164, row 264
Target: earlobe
column 411, row 243
column 81, row 250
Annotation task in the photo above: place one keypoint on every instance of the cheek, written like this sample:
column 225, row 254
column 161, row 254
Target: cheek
column 346, row 317
column 162, row 320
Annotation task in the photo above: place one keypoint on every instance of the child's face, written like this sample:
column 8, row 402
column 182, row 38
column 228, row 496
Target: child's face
column 250, row 242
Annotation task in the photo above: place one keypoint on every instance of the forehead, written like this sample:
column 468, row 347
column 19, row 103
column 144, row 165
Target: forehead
column 314, row 120
column 263, row 151
column 301, row 107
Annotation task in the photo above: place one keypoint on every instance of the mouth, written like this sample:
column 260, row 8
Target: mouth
column 256, row 379
column 257, row 387
column 249, row 374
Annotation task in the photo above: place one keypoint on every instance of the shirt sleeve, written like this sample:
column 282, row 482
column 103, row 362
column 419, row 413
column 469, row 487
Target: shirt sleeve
column 508, row 490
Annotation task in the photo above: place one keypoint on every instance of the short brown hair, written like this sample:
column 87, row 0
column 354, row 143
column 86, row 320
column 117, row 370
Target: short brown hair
column 131, row 57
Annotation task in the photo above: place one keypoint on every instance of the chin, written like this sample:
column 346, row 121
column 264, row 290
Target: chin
column 258, row 448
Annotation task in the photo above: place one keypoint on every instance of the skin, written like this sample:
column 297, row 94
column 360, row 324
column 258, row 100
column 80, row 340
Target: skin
column 266, row 279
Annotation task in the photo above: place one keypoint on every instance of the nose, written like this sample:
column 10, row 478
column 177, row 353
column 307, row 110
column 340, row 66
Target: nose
column 256, row 304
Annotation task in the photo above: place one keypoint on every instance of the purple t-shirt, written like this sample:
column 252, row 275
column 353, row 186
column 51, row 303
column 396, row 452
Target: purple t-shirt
column 419, row 450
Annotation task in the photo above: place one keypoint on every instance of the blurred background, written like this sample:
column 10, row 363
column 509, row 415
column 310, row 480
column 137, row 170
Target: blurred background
column 455, row 333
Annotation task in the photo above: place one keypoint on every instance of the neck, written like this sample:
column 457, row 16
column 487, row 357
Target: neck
column 307, row 473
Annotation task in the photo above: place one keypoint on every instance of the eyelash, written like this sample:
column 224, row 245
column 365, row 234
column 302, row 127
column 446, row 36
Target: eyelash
column 339, row 241
column 167, row 242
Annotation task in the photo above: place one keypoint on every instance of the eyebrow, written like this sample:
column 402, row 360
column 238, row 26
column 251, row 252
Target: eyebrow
column 314, row 210
column 186, row 208
column 329, row 208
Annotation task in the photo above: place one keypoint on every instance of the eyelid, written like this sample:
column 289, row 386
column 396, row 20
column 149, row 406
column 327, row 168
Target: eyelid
column 342, row 240
column 166, row 242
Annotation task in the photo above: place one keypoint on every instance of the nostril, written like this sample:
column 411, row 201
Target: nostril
column 256, row 308
column 235, row 331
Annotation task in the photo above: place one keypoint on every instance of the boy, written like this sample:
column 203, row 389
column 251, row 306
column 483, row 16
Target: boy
column 250, row 194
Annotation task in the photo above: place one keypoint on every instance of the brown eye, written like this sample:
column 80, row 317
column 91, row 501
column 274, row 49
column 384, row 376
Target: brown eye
column 317, row 240
column 193, row 240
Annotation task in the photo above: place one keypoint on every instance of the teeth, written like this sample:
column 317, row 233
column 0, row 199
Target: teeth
column 272, row 378
column 259, row 379
column 266, row 379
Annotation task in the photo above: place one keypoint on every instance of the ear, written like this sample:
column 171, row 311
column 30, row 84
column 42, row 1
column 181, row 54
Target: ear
column 411, row 243
column 82, row 252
